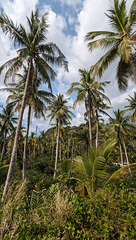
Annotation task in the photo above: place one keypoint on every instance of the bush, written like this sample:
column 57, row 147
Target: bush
column 55, row 213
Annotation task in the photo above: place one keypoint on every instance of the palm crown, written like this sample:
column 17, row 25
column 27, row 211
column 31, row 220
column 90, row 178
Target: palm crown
column 33, row 47
column 120, row 42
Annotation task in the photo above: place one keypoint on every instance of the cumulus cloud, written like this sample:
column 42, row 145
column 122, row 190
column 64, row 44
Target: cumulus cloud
column 18, row 10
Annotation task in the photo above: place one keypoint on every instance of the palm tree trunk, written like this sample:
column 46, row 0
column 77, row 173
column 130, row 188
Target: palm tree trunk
column 14, row 151
column 25, row 144
column 60, row 151
column 35, row 142
column 126, row 155
column 72, row 151
column 52, row 145
column 68, row 148
column 43, row 149
column 97, row 129
column 3, row 147
column 57, row 146
column 90, row 120
column 121, row 155
column 133, row 66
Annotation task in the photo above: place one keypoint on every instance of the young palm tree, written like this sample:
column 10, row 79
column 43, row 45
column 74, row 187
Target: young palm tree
column 91, row 170
column 120, row 42
column 7, row 125
column 61, row 114
column 87, row 90
column 122, row 128
column 132, row 107
column 38, row 54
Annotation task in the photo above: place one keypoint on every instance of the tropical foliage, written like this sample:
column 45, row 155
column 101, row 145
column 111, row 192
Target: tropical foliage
column 67, row 182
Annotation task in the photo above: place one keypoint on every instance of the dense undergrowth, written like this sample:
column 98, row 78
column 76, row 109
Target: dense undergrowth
column 58, row 213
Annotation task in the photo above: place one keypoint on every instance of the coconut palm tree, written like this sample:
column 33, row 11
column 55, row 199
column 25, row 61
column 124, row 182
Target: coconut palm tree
column 100, row 107
column 61, row 114
column 36, row 103
column 123, row 129
column 37, row 54
column 90, row 169
column 7, row 124
column 87, row 90
column 119, row 42
column 132, row 107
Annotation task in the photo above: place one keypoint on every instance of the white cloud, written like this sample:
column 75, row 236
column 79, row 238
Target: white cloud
column 18, row 10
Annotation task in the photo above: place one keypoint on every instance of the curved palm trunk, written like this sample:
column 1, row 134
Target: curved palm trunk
column 97, row 129
column 15, row 146
column 25, row 144
column 3, row 147
column 57, row 146
column 133, row 66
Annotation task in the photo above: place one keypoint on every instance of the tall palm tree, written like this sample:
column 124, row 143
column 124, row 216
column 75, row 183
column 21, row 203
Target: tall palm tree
column 120, row 42
column 7, row 124
column 100, row 107
column 61, row 114
column 36, row 102
column 37, row 54
column 123, row 129
column 87, row 90
column 132, row 107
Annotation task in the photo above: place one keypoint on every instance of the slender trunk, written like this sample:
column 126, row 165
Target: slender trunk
column 42, row 149
column 57, row 146
column 14, row 151
column 72, row 151
column 29, row 152
column 90, row 119
column 121, row 155
column 87, row 149
column 126, row 155
column 68, row 148
column 25, row 144
column 35, row 141
column 52, row 145
column 97, row 129
column 3, row 148
column 60, row 151
column 133, row 66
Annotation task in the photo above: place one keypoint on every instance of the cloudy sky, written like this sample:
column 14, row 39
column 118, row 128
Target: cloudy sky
column 69, row 21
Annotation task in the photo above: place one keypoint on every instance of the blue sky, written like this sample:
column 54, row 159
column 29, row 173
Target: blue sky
column 69, row 21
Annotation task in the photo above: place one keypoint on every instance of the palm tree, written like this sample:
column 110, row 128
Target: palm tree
column 120, row 42
column 37, row 54
column 61, row 114
column 132, row 107
column 7, row 124
column 87, row 90
column 100, row 106
column 36, row 102
column 91, row 170
column 123, row 129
